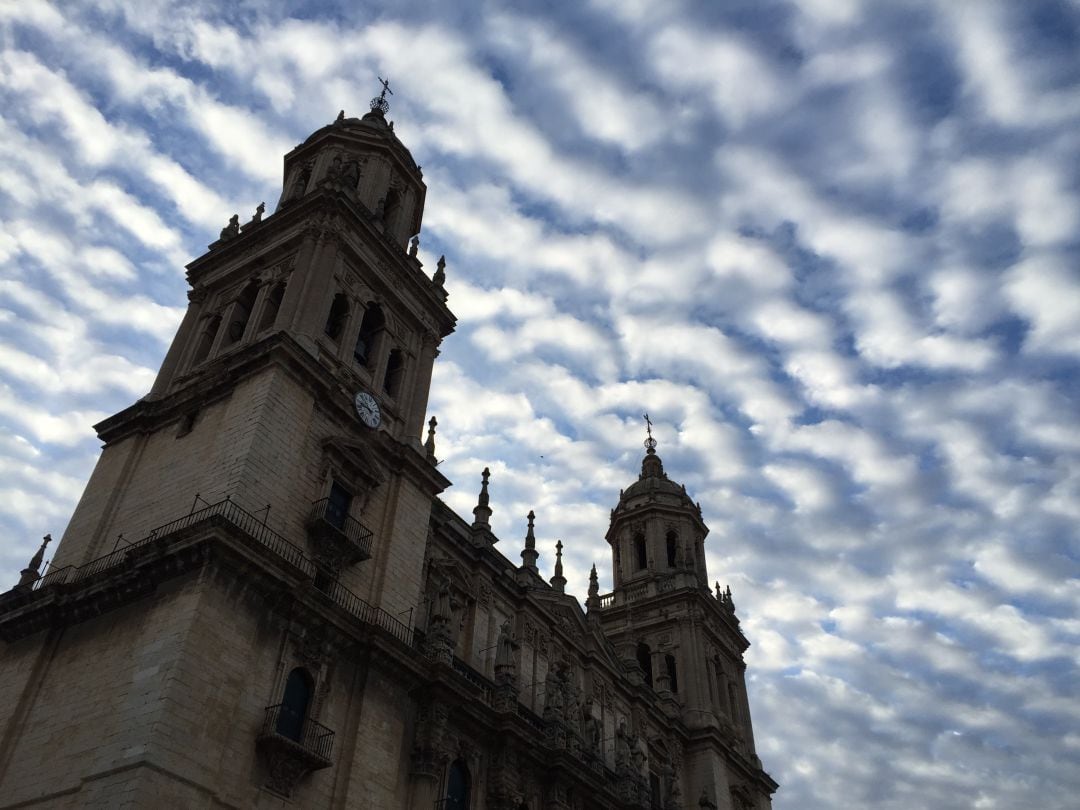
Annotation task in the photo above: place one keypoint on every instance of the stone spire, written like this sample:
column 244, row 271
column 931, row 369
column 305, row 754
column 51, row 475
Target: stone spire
column 482, row 512
column 31, row 574
column 429, row 445
column 593, row 602
column 558, row 582
column 529, row 554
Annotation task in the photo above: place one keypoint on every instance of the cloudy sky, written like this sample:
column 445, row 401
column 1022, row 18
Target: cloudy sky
column 830, row 246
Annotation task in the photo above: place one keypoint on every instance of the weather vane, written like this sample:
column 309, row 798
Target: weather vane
column 650, row 443
column 380, row 103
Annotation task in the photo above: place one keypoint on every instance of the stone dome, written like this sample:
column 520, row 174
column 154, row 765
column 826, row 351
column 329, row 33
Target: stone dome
column 652, row 483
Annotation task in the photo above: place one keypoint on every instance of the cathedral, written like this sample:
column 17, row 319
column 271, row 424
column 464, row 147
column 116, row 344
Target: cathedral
column 261, row 602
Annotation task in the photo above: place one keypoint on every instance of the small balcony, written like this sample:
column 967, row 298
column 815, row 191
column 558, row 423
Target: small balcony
column 293, row 747
column 338, row 539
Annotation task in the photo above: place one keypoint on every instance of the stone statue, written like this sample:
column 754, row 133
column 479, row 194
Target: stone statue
column 622, row 746
column 414, row 246
column 232, row 230
column 350, row 175
column 444, row 602
column 554, row 703
column 590, row 727
column 505, row 646
column 299, row 185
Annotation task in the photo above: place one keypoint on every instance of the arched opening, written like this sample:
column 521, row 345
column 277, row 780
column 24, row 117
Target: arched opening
column 273, row 306
column 371, row 327
column 672, row 548
column 339, row 313
column 641, row 558
column 391, row 208
column 458, row 786
column 672, row 672
column 655, row 799
column 241, row 313
column 395, row 371
column 644, row 659
column 294, row 705
column 206, row 340
column 733, row 703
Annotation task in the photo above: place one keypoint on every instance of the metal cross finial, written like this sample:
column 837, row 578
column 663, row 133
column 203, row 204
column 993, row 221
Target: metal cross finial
column 650, row 442
column 380, row 103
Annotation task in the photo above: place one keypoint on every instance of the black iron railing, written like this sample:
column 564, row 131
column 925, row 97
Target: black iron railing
column 367, row 613
column 315, row 738
column 326, row 513
column 225, row 511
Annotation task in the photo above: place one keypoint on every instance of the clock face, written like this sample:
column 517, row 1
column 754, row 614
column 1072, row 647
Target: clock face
column 367, row 409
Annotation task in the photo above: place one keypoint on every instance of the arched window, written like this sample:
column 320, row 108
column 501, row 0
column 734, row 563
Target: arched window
column 640, row 555
column 273, row 306
column 672, row 548
column 391, row 207
column 206, row 340
column 241, row 312
column 395, row 371
column 672, row 672
column 294, row 705
column 457, row 786
column 644, row 659
column 339, row 313
column 370, row 328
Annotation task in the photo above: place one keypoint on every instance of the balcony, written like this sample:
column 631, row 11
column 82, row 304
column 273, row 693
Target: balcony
column 293, row 747
column 338, row 539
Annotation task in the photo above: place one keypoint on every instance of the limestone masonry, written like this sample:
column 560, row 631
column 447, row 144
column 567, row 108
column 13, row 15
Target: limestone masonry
column 260, row 600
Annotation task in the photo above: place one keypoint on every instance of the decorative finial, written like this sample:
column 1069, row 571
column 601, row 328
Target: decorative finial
column 414, row 246
column 439, row 279
column 379, row 102
column 485, row 476
column 32, row 573
column 719, row 593
column 429, row 445
column 558, row 581
column 650, row 442
column 592, row 602
column 482, row 510
column 529, row 554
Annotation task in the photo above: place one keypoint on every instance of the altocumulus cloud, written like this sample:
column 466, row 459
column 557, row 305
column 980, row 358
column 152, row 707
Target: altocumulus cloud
column 829, row 246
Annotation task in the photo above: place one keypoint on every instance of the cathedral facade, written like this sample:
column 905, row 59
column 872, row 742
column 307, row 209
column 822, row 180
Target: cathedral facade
column 260, row 600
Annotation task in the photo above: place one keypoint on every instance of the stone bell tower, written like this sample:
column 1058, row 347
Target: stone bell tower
column 680, row 638
column 295, row 321
column 254, row 532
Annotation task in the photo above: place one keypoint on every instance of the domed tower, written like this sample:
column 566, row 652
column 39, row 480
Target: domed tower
column 656, row 532
column 678, row 636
